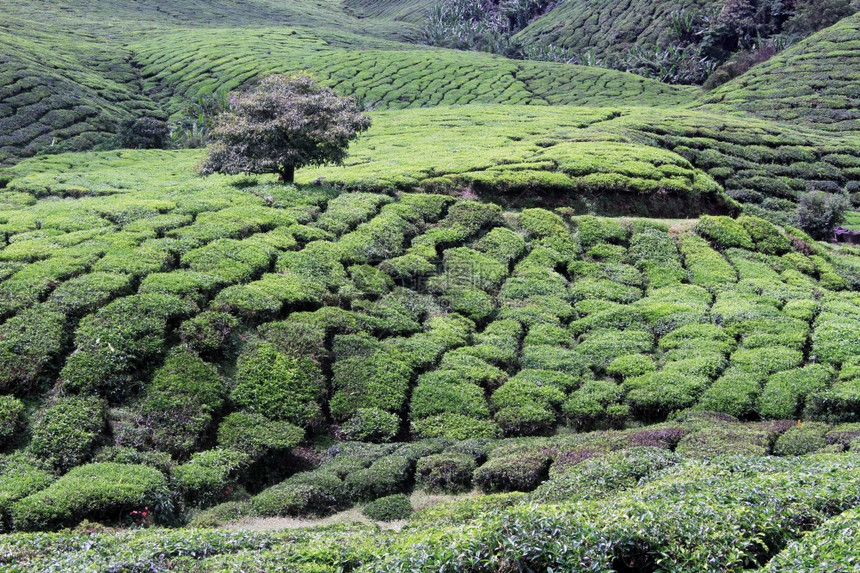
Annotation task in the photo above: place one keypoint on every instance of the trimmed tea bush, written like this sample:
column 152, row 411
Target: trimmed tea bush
column 180, row 403
column 256, row 435
column 388, row 508
column 512, row 473
column 371, row 425
column 66, row 432
column 10, row 418
column 385, row 476
column 101, row 492
column 29, row 345
column 379, row 380
column 453, row 426
column 724, row 231
column 278, row 386
column 446, row 472
column 209, row 333
column 801, row 440
column 785, row 393
column 210, row 476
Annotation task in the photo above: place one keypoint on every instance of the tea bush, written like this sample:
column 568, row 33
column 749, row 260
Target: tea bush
column 388, row 508
column 181, row 403
column 66, row 432
column 277, row 386
column 446, row 472
column 105, row 491
column 511, row 473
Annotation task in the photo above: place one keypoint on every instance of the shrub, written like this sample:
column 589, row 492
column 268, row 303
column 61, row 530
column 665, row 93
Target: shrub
column 721, row 439
column 470, row 302
column 454, row 427
column 180, row 403
column 10, row 418
column 256, row 435
column 594, row 230
column 85, row 294
column 733, row 393
column 631, row 365
column 220, row 514
column 512, row 473
column 464, row 267
column 818, row 212
column 784, row 394
column 561, row 380
column 432, row 397
column 66, row 432
column 592, row 405
column 599, row 477
column 19, row 477
column 654, row 396
column 801, row 440
column 193, row 285
column 371, row 425
column 376, row 381
column 548, row 357
column 766, row 361
column 840, row 403
column 209, row 333
column 604, row 289
column 388, row 508
column 292, row 499
column 278, row 386
column 502, row 244
column 210, row 476
column 707, row 267
column 836, row 338
column 102, row 492
column 768, row 238
column 601, row 347
column 29, row 345
column 724, row 231
column 118, row 341
column 367, row 282
column 461, row 363
column 446, row 472
column 385, row 476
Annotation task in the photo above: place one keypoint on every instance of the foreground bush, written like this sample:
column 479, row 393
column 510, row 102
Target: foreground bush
column 101, row 492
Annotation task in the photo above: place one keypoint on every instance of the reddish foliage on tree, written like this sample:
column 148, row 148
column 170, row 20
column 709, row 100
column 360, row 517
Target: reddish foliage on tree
column 285, row 123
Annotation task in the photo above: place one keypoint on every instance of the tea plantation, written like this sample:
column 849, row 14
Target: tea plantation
column 545, row 317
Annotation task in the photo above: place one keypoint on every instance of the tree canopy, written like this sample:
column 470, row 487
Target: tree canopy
column 285, row 123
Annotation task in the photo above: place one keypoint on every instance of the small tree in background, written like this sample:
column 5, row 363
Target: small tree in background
column 818, row 212
column 285, row 123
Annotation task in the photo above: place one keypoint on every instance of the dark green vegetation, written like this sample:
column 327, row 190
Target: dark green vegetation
column 448, row 313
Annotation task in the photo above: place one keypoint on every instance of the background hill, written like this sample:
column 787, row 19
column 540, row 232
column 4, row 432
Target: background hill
column 814, row 82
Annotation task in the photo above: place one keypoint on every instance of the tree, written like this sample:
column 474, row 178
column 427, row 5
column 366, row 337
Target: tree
column 286, row 122
column 818, row 212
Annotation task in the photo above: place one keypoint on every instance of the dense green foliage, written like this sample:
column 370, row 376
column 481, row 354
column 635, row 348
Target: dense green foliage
column 448, row 313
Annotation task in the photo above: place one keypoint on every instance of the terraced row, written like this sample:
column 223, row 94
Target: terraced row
column 382, row 78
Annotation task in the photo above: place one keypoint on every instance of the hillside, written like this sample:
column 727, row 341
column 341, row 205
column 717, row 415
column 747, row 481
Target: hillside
column 54, row 98
column 545, row 317
column 814, row 82
column 610, row 27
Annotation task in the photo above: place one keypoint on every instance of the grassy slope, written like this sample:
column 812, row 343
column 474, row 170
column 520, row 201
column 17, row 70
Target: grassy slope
column 815, row 82
column 608, row 27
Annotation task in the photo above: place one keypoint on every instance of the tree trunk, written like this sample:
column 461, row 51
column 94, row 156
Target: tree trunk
column 287, row 174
